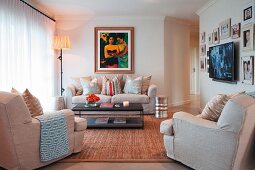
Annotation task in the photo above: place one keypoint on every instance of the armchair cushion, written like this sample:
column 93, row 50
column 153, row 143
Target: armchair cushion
column 232, row 116
column 33, row 104
column 214, row 107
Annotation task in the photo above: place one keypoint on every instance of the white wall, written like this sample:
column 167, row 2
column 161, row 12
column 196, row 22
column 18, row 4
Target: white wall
column 210, row 17
column 148, row 41
column 177, row 61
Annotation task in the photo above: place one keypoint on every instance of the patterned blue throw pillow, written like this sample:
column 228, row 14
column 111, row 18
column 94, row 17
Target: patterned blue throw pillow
column 90, row 87
column 133, row 86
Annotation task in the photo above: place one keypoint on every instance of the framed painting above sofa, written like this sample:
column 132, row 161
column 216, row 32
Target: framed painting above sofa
column 114, row 50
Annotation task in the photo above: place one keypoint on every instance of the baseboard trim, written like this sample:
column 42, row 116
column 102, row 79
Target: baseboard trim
column 179, row 103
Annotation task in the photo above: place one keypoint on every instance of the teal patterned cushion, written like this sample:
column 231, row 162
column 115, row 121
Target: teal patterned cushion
column 90, row 87
column 133, row 86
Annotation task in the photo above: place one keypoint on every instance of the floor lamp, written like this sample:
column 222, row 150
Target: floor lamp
column 60, row 43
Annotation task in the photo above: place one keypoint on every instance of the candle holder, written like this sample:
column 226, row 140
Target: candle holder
column 125, row 103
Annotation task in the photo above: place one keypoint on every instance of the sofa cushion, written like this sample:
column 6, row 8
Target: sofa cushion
column 82, row 99
column 90, row 87
column 132, row 98
column 77, row 83
column 111, row 86
column 133, row 86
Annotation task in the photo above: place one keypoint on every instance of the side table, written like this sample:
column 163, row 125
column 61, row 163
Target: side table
column 161, row 106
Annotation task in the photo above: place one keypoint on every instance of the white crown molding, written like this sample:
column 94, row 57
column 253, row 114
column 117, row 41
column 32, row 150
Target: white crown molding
column 179, row 21
column 206, row 6
column 87, row 17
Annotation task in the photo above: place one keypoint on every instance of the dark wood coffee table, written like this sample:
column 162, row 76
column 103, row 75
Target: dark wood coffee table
column 124, row 112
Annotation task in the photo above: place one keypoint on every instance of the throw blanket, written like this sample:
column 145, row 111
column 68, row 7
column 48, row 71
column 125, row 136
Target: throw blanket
column 54, row 140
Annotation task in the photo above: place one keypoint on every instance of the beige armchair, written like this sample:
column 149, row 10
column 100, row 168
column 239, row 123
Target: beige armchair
column 203, row 144
column 20, row 134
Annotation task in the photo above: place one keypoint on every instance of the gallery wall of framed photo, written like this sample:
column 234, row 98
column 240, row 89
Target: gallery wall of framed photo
column 227, row 22
column 241, row 33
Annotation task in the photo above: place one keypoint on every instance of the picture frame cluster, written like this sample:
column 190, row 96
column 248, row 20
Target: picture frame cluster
column 241, row 32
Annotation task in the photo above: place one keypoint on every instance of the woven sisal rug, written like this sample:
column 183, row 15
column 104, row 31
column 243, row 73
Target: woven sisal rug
column 123, row 145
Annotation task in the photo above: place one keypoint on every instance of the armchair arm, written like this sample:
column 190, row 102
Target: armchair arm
column 69, row 93
column 152, row 90
column 194, row 120
column 166, row 127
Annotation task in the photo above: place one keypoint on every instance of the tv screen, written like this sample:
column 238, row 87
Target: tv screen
column 222, row 62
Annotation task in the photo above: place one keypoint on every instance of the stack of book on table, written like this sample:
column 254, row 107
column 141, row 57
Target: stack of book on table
column 120, row 120
column 102, row 120
column 106, row 105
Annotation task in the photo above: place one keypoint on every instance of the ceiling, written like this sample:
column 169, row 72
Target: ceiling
column 182, row 9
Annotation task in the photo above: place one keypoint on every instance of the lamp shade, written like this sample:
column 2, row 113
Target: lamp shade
column 61, row 42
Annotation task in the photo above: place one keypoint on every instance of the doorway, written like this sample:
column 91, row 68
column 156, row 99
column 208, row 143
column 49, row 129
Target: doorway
column 194, row 71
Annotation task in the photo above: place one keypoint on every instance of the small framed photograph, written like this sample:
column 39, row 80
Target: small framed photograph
column 203, row 50
column 247, row 37
column 202, row 64
column 202, row 37
column 248, row 13
column 225, row 29
column 210, row 39
column 236, row 30
column 248, row 70
column 216, row 36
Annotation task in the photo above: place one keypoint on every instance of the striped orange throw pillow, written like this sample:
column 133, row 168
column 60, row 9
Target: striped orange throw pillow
column 110, row 86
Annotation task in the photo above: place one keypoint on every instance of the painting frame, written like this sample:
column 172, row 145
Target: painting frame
column 248, row 71
column 202, row 64
column 248, row 13
column 210, row 39
column 216, row 36
column 236, row 30
column 110, row 63
column 203, row 50
column 225, row 29
column 202, row 37
column 247, row 37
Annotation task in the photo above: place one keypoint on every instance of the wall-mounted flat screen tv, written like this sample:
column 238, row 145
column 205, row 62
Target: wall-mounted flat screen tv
column 222, row 62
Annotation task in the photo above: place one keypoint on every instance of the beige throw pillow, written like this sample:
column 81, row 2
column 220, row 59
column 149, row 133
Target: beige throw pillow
column 146, row 84
column 214, row 107
column 33, row 104
column 77, row 84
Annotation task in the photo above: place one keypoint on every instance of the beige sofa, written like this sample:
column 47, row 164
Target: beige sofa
column 203, row 144
column 20, row 134
column 147, row 101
